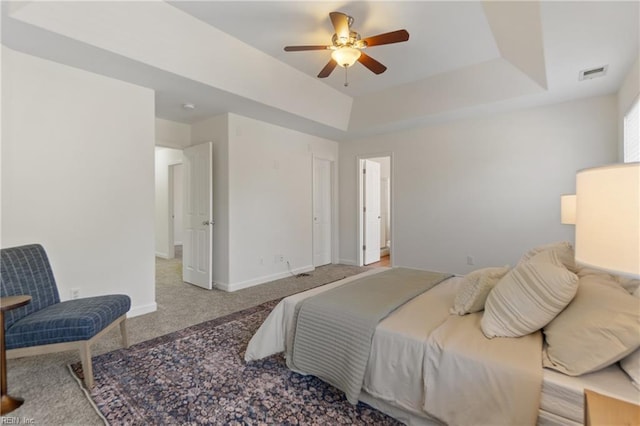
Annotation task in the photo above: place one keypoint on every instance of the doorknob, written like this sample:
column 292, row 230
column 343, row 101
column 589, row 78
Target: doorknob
column 208, row 222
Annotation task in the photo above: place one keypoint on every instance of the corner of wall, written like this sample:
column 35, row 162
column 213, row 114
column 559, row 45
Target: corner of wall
column 230, row 287
column 138, row 310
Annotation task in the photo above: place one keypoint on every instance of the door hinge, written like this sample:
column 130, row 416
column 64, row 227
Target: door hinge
column 364, row 171
column 364, row 209
column 364, row 247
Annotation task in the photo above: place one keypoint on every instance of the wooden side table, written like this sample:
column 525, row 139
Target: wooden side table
column 9, row 403
column 604, row 410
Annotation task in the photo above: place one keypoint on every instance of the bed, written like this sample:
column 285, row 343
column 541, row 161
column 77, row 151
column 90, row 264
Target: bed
column 402, row 370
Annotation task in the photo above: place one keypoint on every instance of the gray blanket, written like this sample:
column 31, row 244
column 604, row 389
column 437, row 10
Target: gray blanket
column 334, row 329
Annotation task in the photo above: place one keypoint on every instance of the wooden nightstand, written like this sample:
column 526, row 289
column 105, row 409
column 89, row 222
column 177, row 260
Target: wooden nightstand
column 600, row 410
column 9, row 403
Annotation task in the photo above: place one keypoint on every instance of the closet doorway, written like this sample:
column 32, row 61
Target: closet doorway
column 175, row 204
column 375, row 210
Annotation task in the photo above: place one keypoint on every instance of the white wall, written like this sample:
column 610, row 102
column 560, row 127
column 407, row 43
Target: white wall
column 262, row 197
column 77, row 176
column 164, row 157
column 270, row 199
column 627, row 94
column 171, row 134
column 489, row 188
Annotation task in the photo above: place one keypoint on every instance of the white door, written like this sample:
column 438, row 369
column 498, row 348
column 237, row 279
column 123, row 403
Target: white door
column 384, row 212
column 321, row 212
column 197, row 176
column 371, row 211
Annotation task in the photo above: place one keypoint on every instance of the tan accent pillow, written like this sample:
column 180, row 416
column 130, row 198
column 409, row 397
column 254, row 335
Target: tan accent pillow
column 629, row 284
column 599, row 327
column 631, row 366
column 631, row 363
column 475, row 288
column 562, row 249
column 528, row 297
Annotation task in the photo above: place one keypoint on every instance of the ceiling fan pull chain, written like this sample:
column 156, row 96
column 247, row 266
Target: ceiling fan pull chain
column 346, row 82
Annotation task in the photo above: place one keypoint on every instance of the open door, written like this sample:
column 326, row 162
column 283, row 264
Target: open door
column 197, row 260
column 371, row 211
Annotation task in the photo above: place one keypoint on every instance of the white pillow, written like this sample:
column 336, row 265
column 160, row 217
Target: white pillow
column 563, row 250
column 631, row 364
column 528, row 297
column 475, row 288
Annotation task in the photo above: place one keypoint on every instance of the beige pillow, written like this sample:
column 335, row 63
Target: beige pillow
column 562, row 249
column 631, row 366
column 631, row 363
column 475, row 288
column 629, row 284
column 528, row 297
column 598, row 328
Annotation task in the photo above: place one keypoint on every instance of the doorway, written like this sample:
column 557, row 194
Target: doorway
column 375, row 210
column 168, row 196
column 175, row 204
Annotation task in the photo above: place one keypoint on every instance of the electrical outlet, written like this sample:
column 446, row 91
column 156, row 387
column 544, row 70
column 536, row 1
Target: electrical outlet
column 75, row 293
column 470, row 260
column 281, row 258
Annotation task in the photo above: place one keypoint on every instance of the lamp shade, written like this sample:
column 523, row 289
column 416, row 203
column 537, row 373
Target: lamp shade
column 608, row 218
column 568, row 209
column 345, row 56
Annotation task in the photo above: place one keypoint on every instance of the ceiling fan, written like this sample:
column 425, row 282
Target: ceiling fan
column 346, row 46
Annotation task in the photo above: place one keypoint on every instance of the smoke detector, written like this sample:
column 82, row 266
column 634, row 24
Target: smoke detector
column 188, row 106
column 591, row 73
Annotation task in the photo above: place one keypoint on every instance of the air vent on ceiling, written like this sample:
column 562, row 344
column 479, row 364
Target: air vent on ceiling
column 593, row 73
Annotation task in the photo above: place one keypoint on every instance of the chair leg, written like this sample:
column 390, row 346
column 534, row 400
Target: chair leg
column 123, row 331
column 87, row 367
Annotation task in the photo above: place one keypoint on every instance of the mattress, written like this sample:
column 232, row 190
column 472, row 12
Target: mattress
column 563, row 396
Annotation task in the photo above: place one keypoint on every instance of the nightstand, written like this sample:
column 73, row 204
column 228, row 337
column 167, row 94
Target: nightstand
column 9, row 403
column 604, row 410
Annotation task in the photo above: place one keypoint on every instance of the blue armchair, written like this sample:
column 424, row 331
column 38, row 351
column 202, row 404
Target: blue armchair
column 47, row 325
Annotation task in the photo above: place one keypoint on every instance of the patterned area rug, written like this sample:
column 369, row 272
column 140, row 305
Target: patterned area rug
column 198, row 376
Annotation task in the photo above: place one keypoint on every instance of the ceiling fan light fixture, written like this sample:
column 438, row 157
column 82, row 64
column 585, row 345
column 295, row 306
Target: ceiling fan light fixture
column 346, row 56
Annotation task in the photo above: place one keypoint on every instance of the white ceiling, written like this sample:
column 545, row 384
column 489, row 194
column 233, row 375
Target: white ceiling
column 462, row 58
column 443, row 36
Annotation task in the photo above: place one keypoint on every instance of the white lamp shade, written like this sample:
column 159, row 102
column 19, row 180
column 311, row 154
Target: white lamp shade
column 608, row 218
column 568, row 209
column 346, row 56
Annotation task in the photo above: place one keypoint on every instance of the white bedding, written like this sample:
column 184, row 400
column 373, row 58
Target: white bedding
column 401, row 337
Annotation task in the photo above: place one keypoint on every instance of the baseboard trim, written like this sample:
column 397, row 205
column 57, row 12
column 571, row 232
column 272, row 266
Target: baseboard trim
column 349, row 262
column 261, row 280
column 141, row 310
column 162, row 255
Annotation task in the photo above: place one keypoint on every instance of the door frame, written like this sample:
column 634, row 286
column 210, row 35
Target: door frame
column 360, row 206
column 334, row 206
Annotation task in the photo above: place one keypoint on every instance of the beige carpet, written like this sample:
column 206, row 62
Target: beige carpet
column 54, row 398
